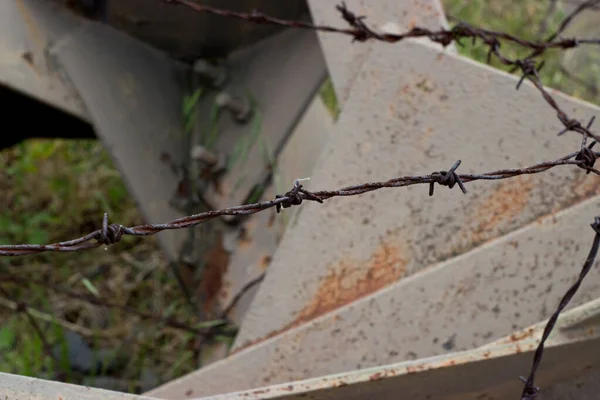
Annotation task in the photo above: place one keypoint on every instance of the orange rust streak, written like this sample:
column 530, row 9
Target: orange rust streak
column 515, row 337
column 217, row 261
column 507, row 200
column 346, row 283
column 264, row 262
column 584, row 187
column 350, row 282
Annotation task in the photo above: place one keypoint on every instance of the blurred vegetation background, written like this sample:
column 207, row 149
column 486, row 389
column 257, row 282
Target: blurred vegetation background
column 54, row 190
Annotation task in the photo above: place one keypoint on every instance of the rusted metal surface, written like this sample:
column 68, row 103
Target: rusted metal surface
column 434, row 110
column 459, row 304
column 488, row 372
column 345, row 59
column 489, row 375
column 27, row 29
column 281, row 75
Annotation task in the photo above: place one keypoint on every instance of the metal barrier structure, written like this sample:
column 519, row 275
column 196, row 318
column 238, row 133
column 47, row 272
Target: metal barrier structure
column 396, row 295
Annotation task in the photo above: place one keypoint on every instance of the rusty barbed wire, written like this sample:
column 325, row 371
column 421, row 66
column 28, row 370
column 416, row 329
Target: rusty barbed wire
column 530, row 391
column 585, row 158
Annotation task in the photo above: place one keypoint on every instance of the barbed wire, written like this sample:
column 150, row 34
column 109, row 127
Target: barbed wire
column 111, row 234
column 585, row 158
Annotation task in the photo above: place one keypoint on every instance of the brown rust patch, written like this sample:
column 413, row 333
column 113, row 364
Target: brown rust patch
column 506, row 201
column 264, row 262
column 515, row 337
column 215, row 266
column 347, row 282
column 412, row 23
column 583, row 187
column 350, row 281
column 28, row 57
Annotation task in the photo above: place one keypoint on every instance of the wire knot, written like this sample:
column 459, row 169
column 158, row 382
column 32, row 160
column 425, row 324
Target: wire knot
column 587, row 156
column 530, row 391
column 529, row 69
column 447, row 178
column 362, row 32
column 110, row 234
column 295, row 197
column 460, row 31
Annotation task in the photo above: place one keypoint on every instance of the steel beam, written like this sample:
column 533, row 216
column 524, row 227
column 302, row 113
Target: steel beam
column 411, row 120
column 27, row 28
column 570, row 370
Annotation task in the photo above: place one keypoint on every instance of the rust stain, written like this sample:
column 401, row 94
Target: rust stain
column 424, row 139
column 506, row 201
column 375, row 377
column 349, row 281
column 264, row 262
column 215, row 266
column 31, row 25
column 515, row 337
column 583, row 187
column 518, row 349
column 28, row 57
column 412, row 23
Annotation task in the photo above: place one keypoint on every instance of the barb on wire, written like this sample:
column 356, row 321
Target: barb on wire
column 530, row 391
column 448, row 178
column 111, row 234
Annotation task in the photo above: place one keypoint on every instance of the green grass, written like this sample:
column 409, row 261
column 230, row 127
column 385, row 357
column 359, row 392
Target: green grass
column 56, row 190
column 329, row 98
column 524, row 19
